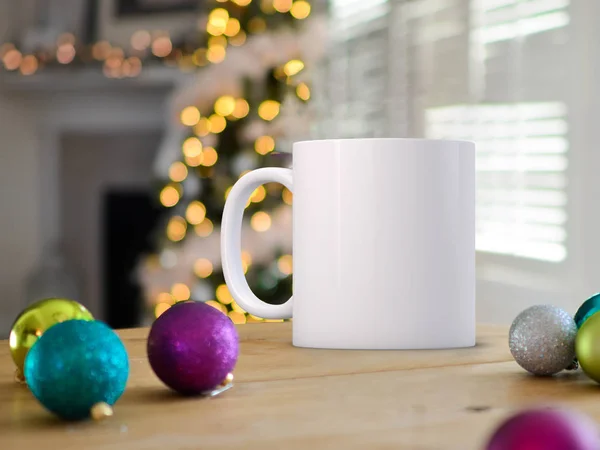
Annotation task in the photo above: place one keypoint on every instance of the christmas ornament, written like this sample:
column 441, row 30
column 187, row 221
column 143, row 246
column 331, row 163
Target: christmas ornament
column 35, row 320
column 548, row 429
column 587, row 348
column 542, row 340
column 587, row 309
column 76, row 367
column 192, row 348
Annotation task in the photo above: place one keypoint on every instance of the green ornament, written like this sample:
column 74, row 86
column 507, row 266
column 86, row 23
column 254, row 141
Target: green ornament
column 587, row 347
column 590, row 307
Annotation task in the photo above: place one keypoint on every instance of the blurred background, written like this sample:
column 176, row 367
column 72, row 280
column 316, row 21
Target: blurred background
column 124, row 123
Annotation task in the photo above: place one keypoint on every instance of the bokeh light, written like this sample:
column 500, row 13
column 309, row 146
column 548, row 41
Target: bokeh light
column 101, row 50
column 239, row 39
column 203, row 268
column 237, row 317
column 260, row 221
column 29, row 65
column 217, row 123
column 287, row 196
column 195, row 212
column 65, row 53
column 285, row 264
column 210, row 157
column 12, row 59
column 225, row 105
column 194, row 161
column 257, row 25
column 169, row 196
column 205, row 228
column 282, row 6
column 162, row 47
column 216, row 54
column 217, row 306
column 190, row 116
column 241, row 109
column 293, row 67
column 141, row 40
column 223, row 294
column 160, row 309
column 233, row 27
column 268, row 110
column 192, row 147
column 178, row 171
column 264, row 145
column 176, row 228
column 180, row 292
column 202, row 128
column 303, row 91
column 300, row 9
column 259, row 194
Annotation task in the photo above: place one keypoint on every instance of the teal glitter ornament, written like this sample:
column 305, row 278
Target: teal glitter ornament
column 587, row 309
column 77, row 368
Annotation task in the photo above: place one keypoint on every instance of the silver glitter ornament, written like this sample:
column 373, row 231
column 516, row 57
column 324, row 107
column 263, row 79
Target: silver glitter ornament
column 542, row 339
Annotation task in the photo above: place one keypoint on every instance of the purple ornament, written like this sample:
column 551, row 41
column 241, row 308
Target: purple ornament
column 192, row 347
column 547, row 429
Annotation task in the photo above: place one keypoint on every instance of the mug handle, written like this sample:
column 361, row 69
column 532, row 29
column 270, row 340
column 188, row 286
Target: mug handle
column 231, row 242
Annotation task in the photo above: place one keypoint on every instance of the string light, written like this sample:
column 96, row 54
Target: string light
column 268, row 110
column 219, row 17
column 233, row 27
column 169, row 196
column 205, row 228
column 194, row 161
column 65, row 53
column 242, row 2
column 180, row 292
column 293, row 67
column 303, row 92
column 160, row 309
column 162, row 47
column 241, row 109
column 285, row 264
column 260, row 221
column 176, row 228
column 210, row 157
column 164, row 297
column 287, row 196
column 192, row 147
column 217, row 306
column 217, row 123
column 12, row 59
column 216, row 54
column 300, row 9
column 237, row 307
column 203, row 268
column 202, row 128
column 223, row 294
column 29, row 65
column 264, row 145
column 282, row 6
column 224, row 106
column 259, row 194
column 190, row 116
column 220, row 41
column 101, row 50
column 237, row 317
column 195, row 212
column 141, row 40
column 178, row 171
column 246, row 261
column 239, row 39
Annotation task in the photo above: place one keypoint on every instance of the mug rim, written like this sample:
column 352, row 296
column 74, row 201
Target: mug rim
column 415, row 140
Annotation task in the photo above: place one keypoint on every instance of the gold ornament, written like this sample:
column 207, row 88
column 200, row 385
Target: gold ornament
column 587, row 349
column 101, row 411
column 36, row 319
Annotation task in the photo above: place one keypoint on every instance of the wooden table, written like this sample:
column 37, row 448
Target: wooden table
column 290, row 398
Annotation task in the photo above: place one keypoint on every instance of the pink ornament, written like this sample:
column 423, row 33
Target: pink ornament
column 192, row 347
column 547, row 429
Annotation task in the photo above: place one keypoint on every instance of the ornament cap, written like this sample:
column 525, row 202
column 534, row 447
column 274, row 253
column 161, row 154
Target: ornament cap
column 101, row 411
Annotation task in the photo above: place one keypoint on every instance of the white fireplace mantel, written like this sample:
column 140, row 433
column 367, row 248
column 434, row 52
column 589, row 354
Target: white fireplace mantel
column 84, row 101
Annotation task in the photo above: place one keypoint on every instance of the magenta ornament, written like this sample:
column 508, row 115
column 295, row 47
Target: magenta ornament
column 547, row 429
column 192, row 347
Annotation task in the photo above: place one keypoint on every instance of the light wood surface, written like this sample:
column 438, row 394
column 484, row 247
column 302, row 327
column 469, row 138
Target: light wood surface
column 291, row 398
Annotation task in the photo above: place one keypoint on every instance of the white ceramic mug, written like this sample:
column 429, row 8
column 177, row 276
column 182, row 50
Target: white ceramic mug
column 383, row 244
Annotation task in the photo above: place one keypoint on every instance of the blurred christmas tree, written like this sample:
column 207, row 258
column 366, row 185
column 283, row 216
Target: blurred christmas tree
column 241, row 111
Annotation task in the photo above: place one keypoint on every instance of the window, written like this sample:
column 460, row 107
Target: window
column 521, row 163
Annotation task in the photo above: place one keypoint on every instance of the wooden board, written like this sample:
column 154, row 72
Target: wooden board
column 290, row 398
